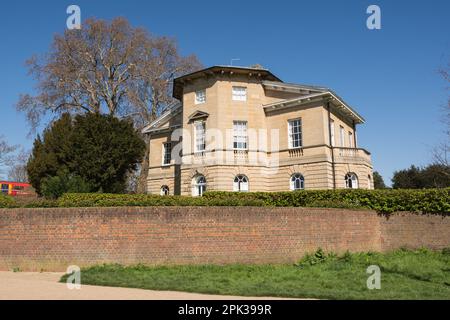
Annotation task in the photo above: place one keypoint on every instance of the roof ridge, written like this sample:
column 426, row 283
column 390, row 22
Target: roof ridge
column 170, row 108
column 283, row 103
column 298, row 85
column 294, row 99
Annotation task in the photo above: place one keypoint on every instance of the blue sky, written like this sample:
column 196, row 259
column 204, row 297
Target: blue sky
column 389, row 75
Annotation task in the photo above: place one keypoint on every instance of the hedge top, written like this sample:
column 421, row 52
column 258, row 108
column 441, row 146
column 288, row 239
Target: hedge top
column 429, row 201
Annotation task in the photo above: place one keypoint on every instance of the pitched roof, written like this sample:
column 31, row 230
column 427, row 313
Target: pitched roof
column 261, row 73
column 269, row 81
column 198, row 115
column 171, row 111
column 292, row 87
column 336, row 102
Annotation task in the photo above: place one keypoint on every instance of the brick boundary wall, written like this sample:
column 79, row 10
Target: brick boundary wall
column 52, row 239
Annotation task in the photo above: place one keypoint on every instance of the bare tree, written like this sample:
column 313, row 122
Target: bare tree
column 6, row 153
column 441, row 152
column 105, row 67
column 87, row 70
column 445, row 72
column 151, row 93
column 154, row 78
column 18, row 167
column 132, row 185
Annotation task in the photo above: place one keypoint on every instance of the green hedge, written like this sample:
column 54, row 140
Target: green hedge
column 6, row 202
column 383, row 201
column 142, row 200
column 435, row 201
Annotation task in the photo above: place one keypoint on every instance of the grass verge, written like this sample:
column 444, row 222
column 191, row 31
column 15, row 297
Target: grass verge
column 405, row 274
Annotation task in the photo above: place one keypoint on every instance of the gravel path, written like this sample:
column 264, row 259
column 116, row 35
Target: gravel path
column 45, row 286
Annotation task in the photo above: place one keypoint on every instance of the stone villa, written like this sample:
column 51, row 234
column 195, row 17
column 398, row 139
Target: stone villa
column 244, row 129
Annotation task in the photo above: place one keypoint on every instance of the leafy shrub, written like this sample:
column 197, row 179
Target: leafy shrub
column 346, row 257
column 318, row 257
column 333, row 204
column 42, row 203
column 144, row 200
column 55, row 187
column 430, row 201
column 383, row 201
column 7, row 202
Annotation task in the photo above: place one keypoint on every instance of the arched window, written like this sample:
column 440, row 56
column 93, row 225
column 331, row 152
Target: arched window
column 297, row 182
column 370, row 181
column 198, row 186
column 240, row 183
column 164, row 191
column 351, row 181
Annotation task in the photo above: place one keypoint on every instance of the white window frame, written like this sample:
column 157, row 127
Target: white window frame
column 341, row 136
column 350, row 139
column 240, row 135
column 240, row 183
column 199, row 140
column 239, row 93
column 293, row 181
column 166, row 150
column 351, row 181
column 333, row 138
column 165, row 191
column 200, row 96
column 291, row 133
column 199, row 184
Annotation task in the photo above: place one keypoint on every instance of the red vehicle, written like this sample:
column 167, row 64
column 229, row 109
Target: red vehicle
column 16, row 188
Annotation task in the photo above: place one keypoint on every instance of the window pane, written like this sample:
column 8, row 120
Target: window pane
column 295, row 133
column 167, row 149
column 351, row 181
column 240, row 183
column 240, row 135
column 164, row 191
column 240, row 93
column 341, row 136
column 198, row 186
column 200, row 96
column 333, row 142
column 297, row 182
column 200, row 136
